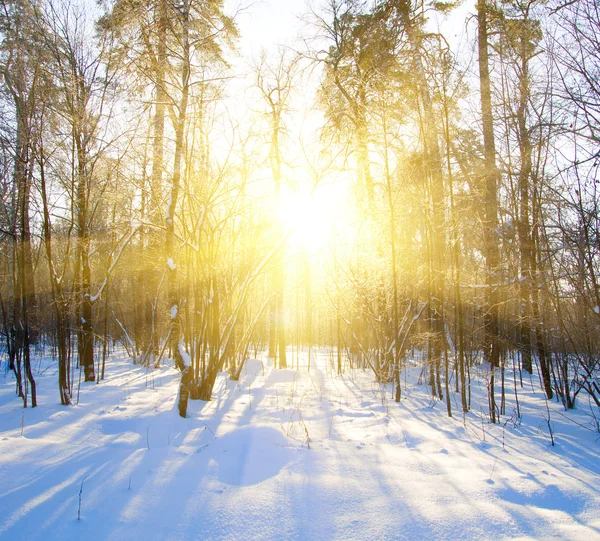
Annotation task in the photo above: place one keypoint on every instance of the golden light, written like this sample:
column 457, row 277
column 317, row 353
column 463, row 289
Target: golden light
column 308, row 219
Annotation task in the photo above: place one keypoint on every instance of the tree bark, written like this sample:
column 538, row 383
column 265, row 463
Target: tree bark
column 492, row 253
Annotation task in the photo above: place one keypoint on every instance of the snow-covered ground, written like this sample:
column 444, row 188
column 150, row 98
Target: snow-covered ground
column 285, row 454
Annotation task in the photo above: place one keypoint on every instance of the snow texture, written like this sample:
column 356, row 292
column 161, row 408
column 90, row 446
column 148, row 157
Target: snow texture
column 285, row 454
column 173, row 311
column 187, row 361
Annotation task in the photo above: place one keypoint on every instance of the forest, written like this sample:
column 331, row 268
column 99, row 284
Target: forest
column 408, row 179
column 299, row 270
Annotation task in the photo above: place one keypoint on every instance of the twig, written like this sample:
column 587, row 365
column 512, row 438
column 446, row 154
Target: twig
column 81, row 492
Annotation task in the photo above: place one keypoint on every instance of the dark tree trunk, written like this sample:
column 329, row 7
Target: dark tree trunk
column 492, row 253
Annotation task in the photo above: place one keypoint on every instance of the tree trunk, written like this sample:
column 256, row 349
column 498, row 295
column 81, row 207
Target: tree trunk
column 172, row 270
column 152, row 280
column 58, row 300
column 86, row 344
column 492, row 253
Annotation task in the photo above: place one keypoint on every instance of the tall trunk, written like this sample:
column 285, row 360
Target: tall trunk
column 58, row 300
column 537, row 314
column 152, row 280
column 25, row 291
column 24, row 322
column 106, row 290
column 456, row 263
column 277, row 325
column 392, row 231
column 492, row 252
column 523, row 224
column 86, row 345
column 158, row 123
column 172, row 270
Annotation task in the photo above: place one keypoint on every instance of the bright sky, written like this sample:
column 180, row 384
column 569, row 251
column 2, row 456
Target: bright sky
column 267, row 23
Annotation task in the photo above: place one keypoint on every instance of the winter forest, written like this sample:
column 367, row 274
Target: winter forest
column 278, row 269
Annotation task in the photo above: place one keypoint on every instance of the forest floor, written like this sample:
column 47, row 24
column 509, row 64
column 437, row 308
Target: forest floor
column 286, row 454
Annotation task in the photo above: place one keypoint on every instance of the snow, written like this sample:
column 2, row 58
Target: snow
column 173, row 311
column 187, row 360
column 286, row 454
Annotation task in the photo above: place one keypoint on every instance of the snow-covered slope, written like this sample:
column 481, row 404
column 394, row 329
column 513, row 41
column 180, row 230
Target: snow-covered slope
column 285, row 454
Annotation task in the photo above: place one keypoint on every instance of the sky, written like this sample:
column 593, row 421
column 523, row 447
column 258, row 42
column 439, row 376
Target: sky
column 267, row 23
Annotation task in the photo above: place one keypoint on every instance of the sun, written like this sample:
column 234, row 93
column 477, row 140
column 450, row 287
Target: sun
column 309, row 219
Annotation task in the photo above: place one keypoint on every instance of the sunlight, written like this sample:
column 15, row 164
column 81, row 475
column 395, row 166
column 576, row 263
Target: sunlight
column 308, row 218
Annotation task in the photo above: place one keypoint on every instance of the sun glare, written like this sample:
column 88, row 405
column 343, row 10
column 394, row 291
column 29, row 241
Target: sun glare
column 309, row 219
